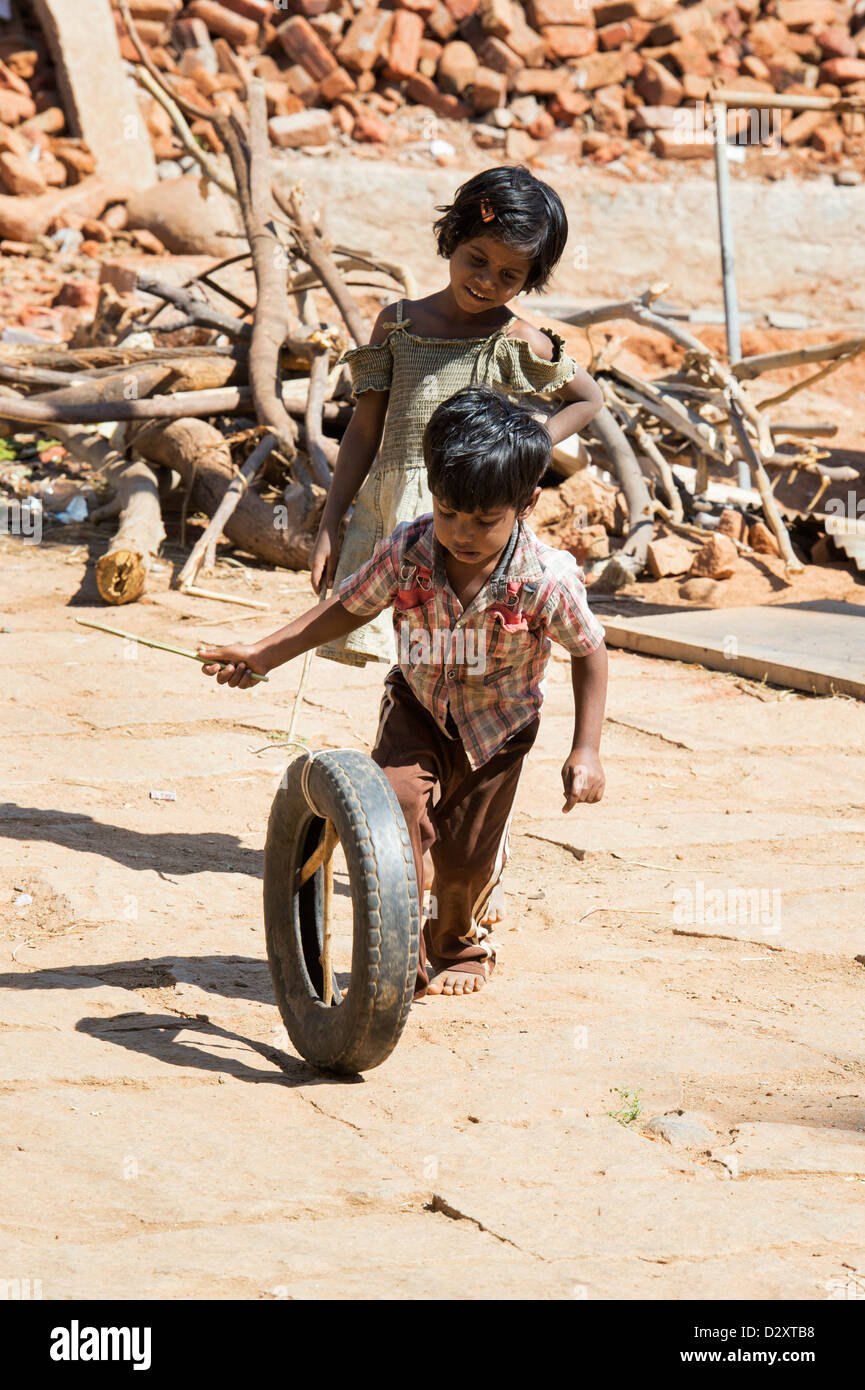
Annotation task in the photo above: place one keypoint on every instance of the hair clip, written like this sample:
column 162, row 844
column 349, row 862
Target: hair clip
column 487, row 214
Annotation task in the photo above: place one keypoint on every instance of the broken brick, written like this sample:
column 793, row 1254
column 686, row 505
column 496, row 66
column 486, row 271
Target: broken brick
column 224, row 22
column 489, row 89
column 457, row 67
column 403, row 52
column 303, row 46
column 366, row 41
column 569, row 41
column 657, row 85
column 310, row 127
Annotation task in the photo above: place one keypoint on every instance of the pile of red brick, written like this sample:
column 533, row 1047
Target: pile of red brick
column 602, row 71
column 35, row 154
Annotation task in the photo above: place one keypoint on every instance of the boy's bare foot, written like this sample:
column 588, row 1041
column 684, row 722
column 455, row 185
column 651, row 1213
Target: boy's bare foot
column 455, row 982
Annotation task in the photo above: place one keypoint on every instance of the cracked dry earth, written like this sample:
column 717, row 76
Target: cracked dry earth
column 161, row 1139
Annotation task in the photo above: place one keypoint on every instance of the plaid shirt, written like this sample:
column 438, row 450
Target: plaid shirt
column 483, row 664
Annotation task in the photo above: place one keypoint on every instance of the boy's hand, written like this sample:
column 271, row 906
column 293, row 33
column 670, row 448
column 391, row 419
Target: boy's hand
column 241, row 660
column 582, row 777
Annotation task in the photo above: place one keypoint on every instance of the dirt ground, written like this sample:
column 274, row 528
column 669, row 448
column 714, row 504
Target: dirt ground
column 159, row 1136
column 694, row 943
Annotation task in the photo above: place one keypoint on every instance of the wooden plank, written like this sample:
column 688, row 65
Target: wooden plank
column 815, row 646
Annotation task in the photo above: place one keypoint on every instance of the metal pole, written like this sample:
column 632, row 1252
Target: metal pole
column 728, row 262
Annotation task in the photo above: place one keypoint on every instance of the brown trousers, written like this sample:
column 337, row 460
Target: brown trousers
column 465, row 828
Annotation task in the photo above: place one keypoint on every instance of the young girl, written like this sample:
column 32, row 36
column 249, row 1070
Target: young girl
column 504, row 233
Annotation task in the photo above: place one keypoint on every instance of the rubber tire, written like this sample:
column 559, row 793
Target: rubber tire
column 362, row 1030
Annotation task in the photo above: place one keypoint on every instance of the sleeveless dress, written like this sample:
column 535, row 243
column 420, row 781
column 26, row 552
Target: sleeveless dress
column 420, row 373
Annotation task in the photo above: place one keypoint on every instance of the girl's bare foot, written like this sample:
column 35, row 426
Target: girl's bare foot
column 495, row 913
column 455, row 982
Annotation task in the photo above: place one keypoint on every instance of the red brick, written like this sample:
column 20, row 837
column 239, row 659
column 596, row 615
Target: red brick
column 259, row 10
column 689, row 55
column 343, row 119
column 696, row 88
column 20, row 176
column 308, row 8
column 689, row 21
column 489, row 89
column 426, row 93
column 542, row 127
column 527, row 44
column 761, row 539
column 767, row 37
column 543, row 82
column 670, row 144
column 422, row 7
column 403, row 52
column 311, row 127
column 495, row 54
column 14, row 107
column 542, row 12
column 600, row 70
column 442, row 23
column 371, row 129
column 614, row 10
column 828, row 137
column 461, row 9
column 299, row 82
column 717, row 558
column 367, row 40
column 807, row 14
column 657, row 85
column 221, row 21
column 565, row 107
column 843, row 70
column 755, row 67
column 569, row 41
column 457, row 67
column 836, row 43
column 630, row 31
column 303, row 46
column 335, row 84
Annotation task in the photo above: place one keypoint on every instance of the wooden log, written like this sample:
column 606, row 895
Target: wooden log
column 121, row 573
column 200, row 454
column 612, row 439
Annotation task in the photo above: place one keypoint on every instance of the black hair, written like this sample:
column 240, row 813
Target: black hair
column 527, row 215
column 483, row 452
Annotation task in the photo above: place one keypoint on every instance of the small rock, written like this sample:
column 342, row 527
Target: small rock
column 681, row 1129
column 589, row 543
column 761, row 540
column 311, row 127
column 78, row 294
column 848, row 178
column 717, row 559
column 669, row 555
column 823, row 552
column 699, row 590
column 732, row 524
column 146, row 241
column 169, row 169
column 502, row 117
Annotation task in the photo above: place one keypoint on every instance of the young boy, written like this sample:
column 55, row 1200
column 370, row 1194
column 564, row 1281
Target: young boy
column 476, row 600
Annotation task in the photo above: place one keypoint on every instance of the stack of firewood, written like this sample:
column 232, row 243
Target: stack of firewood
column 276, row 365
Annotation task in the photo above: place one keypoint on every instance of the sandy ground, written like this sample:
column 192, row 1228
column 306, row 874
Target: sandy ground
column 160, row 1138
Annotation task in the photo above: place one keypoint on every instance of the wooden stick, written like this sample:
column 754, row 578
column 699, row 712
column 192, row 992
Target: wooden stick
column 207, row 161
column 324, row 849
column 750, row 367
column 327, row 907
column 224, row 598
column 226, row 508
column 161, row 646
